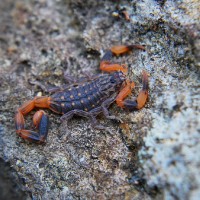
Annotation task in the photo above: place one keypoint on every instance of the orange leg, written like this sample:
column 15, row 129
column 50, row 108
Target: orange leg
column 108, row 67
column 106, row 64
column 40, row 120
column 121, row 49
column 126, row 91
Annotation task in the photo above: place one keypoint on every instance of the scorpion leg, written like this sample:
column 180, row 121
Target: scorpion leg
column 47, row 88
column 75, row 81
column 141, row 99
column 70, row 79
column 71, row 113
column 106, row 64
column 81, row 113
column 121, row 49
column 105, row 106
column 89, row 115
column 40, row 120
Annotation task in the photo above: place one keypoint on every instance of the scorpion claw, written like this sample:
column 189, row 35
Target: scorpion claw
column 141, row 99
column 131, row 105
column 41, row 123
column 19, row 121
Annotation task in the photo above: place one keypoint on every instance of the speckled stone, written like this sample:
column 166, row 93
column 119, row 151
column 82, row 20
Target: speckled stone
column 43, row 40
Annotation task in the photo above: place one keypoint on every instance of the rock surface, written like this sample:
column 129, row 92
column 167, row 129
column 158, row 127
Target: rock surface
column 42, row 40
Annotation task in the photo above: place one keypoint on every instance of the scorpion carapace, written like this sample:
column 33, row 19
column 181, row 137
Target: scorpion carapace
column 87, row 99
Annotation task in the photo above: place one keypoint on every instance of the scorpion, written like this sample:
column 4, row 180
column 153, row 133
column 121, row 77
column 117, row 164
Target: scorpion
column 87, row 99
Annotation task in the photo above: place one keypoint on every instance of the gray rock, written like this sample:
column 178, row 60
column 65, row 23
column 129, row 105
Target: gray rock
column 43, row 40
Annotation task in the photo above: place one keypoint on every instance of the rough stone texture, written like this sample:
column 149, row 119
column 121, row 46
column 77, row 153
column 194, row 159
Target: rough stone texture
column 43, row 39
column 9, row 183
column 170, row 157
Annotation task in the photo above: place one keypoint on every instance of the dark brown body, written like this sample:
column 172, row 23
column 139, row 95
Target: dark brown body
column 88, row 95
